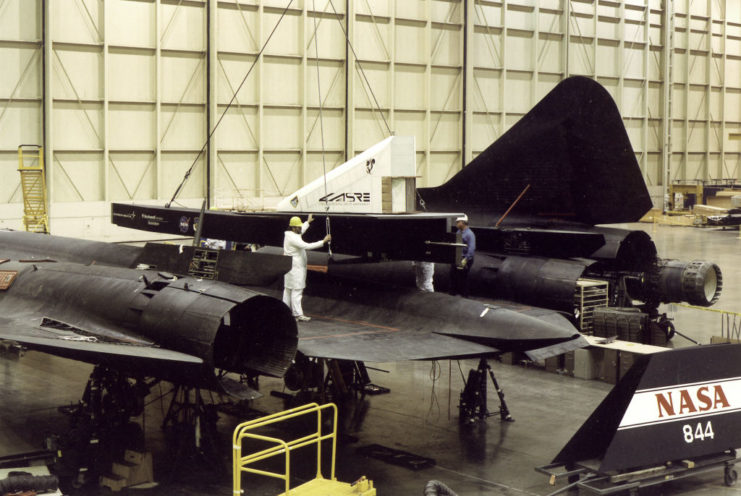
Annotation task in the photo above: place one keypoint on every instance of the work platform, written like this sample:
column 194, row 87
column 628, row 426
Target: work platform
column 323, row 487
column 252, row 433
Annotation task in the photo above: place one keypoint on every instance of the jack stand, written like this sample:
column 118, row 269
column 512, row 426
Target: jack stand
column 348, row 377
column 110, row 399
column 185, row 408
column 100, row 424
column 193, row 425
column 362, row 382
column 472, row 404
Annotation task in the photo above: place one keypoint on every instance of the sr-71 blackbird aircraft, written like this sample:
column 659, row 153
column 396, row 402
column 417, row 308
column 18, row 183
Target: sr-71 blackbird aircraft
column 571, row 157
column 536, row 199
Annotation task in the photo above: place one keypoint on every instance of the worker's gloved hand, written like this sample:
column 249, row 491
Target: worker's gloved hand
column 464, row 262
column 327, row 238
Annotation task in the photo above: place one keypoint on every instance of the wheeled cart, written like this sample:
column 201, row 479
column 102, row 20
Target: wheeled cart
column 273, row 447
column 588, row 478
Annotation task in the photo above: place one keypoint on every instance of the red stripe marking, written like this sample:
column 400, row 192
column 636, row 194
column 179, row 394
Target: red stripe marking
column 358, row 322
column 381, row 329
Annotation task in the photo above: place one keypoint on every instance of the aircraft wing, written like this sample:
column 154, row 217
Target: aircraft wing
column 328, row 337
column 89, row 345
column 369, row 322
column 123, row 352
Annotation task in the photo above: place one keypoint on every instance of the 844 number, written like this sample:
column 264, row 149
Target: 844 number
column 699, row 433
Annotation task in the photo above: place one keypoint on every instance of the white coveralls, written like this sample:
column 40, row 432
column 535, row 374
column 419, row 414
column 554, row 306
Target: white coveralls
column 424, row 273
column 295, row 280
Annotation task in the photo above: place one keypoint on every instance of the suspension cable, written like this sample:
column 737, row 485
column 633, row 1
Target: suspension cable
column 321, row 127
column 228, row 106
column 421, row 200
column 360, row 66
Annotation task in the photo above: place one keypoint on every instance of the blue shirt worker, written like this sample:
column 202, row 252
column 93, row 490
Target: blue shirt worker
column 459, row 271
column 295, row 280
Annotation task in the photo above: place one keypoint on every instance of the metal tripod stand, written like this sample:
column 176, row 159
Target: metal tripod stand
column 473, row 398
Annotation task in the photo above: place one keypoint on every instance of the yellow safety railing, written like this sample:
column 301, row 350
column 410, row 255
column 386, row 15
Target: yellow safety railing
column 241, row 433
column 730, row 322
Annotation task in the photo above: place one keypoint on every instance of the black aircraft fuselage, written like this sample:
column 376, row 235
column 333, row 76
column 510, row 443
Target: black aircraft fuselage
column 537, row 199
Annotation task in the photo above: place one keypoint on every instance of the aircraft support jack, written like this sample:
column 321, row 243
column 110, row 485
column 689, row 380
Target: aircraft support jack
column 110, row 398
column 472, row 405
column 108, row 403
column 192, row 422
column 350, row 377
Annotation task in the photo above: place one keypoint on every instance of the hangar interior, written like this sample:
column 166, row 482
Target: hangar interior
column 259, row 98
column 122, row 94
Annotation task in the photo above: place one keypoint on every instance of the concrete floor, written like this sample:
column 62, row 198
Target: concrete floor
column 419, row 415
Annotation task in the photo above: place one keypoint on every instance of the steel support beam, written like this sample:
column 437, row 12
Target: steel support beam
column 667, row 107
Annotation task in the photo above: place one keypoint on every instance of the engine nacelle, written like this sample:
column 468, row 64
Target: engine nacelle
column 225, row 326
column 231, row 328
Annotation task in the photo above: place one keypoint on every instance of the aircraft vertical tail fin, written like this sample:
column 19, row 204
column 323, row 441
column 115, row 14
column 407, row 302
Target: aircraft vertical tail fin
column 573, row 151
column 671, row 405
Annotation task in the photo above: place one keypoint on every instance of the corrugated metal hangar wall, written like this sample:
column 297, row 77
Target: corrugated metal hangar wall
column 122, row 93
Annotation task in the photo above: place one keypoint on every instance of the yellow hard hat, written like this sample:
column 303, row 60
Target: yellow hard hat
column 295, row 222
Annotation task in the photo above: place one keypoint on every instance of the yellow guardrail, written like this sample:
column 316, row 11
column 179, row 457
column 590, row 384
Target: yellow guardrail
column 730, row 322
column 707, row 309
column 279, row 447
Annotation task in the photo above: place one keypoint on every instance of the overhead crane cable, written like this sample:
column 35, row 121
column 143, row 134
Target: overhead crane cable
column 373, row 94
column 228, row 105
column 360, row 66
column 421, row 200
column 321, row 126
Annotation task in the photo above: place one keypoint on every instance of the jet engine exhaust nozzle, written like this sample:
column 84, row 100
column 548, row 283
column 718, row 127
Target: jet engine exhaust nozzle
column 259, row 336
column 697, row 282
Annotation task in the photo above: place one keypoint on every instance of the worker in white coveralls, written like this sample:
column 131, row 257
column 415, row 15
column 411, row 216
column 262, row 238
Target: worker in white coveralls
column 295, row 280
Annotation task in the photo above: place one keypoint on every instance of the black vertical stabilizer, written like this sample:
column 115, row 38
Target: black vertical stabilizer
column 571, row 148
column 671, row 405
column 593, row 438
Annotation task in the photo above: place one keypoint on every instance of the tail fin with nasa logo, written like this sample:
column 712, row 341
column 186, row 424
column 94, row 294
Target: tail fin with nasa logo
column 672, row 405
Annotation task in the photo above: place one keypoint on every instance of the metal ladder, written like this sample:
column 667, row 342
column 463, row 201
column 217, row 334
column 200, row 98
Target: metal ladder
column 33, row 186
column 204, row 264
